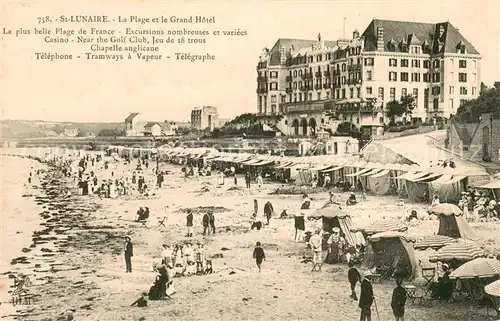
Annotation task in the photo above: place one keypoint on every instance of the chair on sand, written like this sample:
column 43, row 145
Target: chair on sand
column 162, row 221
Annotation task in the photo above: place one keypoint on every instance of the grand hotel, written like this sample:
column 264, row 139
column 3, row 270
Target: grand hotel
column 318, row 83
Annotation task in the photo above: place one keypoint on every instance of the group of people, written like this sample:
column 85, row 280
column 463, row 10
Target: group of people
column 476, row 204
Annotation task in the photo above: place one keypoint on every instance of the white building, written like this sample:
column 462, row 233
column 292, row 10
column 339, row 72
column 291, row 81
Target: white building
column 153, row 129
column 134, row 125
column 340, row 145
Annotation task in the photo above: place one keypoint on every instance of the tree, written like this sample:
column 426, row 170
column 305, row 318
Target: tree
column 111, row 132
column 345, row 128
column 401, row 108
column 487, row 102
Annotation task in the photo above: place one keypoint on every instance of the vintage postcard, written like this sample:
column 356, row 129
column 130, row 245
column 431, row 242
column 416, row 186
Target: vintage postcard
column 250, row 160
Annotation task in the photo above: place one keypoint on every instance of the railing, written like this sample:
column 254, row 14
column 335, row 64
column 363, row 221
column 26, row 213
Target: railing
column 288, row 78
column 304, row 108
column 262, row 79
column 354, row 67
column 289, row 90
column 318, row 74
column 353, row 81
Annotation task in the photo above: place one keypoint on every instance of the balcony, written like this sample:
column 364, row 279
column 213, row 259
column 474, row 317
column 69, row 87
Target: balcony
column 289, row 78
column 289, row 90
column 317, row 106
column 328, row 74
column 318, row 74
column 262, row 79
column 354, row 67
column 355, row 105
column 261, row 90
column 353, row 81
column 262, row 65
column 327, row 86
column 318, row 87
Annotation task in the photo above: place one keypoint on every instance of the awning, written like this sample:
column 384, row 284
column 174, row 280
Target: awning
column 251, row 162
column 322, row 168
column 382, row 173
column 405, row 176
column 492, row 185
column 455, row 179
column 431, row 176
column 416, row 176
column 366, row 170
column 442, row 179
column 263, row 163
column 333, row 169
column 284, row 165
column 373, row 171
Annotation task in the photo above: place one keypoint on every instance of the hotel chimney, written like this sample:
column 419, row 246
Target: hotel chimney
column 282, row 55
column 380, row 39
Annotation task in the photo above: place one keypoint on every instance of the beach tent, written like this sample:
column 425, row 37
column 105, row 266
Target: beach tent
column 452, row 222
column 333, row 215
column 390, row 251
column 381, row 226
column 494, row 186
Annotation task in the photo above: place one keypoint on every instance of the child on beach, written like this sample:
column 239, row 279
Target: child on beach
column 353, row 276
column 258, row 255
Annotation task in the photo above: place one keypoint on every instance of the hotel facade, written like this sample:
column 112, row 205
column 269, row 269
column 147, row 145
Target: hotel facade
column 319, row 84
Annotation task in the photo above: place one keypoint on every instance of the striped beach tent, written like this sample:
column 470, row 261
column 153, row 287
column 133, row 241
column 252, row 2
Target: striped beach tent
column 460, row 251
column 382, row 226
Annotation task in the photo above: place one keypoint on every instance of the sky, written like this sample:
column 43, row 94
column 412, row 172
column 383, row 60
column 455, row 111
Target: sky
column 107, row 91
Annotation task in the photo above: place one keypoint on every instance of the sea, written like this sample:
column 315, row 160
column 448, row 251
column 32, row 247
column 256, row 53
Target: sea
column 19, row 215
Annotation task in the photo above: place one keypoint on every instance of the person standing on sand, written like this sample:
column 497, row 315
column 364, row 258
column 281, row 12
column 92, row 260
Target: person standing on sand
column 316, row 243
column 353, row 276
column 258, row 255
column 211, row 220
column 255, row 207
column 247, row 179
column 268, row 211
column 398, row 301
column 129, row 253
column 366, row 300
column 206, row 223
column 189, row 223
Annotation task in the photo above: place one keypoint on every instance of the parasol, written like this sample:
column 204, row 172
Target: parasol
column 445, row 209
column 460, row 251
column 480, row 267
column 434, row 242
column 493, row 288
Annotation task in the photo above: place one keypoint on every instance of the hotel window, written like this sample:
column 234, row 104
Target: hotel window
column 381, row 93
column 474, row 77
column 463, row 90
column 295, row 73
column 351, row 93
column 358, row 92
column 305, row 97
column 310, row 59
column 274, row 86
column 393, row 62
column 392, row 94
column 368, row 91
column 462, row 64
column 474, row 91
column 273, row 99
column 415, row 77
column 404, row 62
column 462, row 101
column 404, row 92
column 283, row 98
column 427, row 77
column 300, row 84
column 436, row 90
column 435, row 103
column 452, row 90
column 462, row 77
column 310, row 96
column 273, row 109
column 319, row 58
column 427, row 64
column 273, row 74
column 393, row 76
column 368, row 61
column 295, row 97
column 435, row 64
column 343, row 93
column 368, row 75
column 415, row 63
column 294, row 85
column 436, row 77
column 300, row 72
column 343, row 67
column 290, row 98
column 404, row 76
column 415, row 49
column 415, row 95
column 451, row 103
column 343, row 80
column 426, row 98
column 337, row 93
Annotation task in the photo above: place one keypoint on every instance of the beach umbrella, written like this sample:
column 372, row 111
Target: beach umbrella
column 330, row 210
column 434, row 242
column 382, row 226
column 445, row 209
column 460, row 251
column 391, row 234
column 493, row 288
column 480, row 267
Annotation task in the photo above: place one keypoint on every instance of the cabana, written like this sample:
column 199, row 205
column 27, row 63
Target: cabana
column 381, row 226
column 452, row 222
column 391, row 252
column 332, row 215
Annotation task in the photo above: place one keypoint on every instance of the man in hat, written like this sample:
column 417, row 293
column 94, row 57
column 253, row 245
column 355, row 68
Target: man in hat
column 211, row 220
column 398, row 300
column 129, row 253
column 333, row 245
column 366, row 300
column 316, row 246
column 206, row 223
column 189, row 223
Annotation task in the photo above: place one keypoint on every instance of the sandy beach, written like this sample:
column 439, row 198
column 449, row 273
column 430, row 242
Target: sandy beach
column 77, row 266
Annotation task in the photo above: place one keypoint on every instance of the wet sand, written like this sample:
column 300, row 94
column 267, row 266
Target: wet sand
column 77, row 263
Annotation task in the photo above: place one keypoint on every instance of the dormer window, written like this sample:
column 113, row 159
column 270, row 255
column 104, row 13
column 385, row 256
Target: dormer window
column 391, row 45
column 461, row 47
